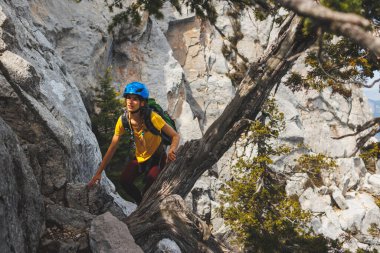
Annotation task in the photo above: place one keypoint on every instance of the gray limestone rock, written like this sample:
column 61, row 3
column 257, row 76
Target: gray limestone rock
column 374, row 181
column 66, row 230
column 314, row 202
column 352, row 169
column 76, row 196
column 21, row 205
column 110, row 235
column 68, row 246
column 77, row 32
column 339, row 198
column 296, row 183
column 46, row 100
column 167, row 246
column 351, row 218
column 21, row 72
column 328, row 225
column 68, row 217
column 200, row 199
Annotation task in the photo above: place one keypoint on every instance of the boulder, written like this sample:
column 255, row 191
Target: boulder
column 349, row 174
column 339, row 198
column 374, row 180
column 295, row 184
column 350, row 219
column 110, row 235
column 328, row 224
column 314, row 202
column 167, row 246
column 98, row 199
column 68, row 217
column 371, row 183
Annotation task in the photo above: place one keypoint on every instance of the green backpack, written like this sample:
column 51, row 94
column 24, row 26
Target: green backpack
column 152, row 106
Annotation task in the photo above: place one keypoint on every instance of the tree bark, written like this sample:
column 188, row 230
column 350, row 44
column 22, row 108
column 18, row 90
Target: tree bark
column 170, row 218
column 149, row 223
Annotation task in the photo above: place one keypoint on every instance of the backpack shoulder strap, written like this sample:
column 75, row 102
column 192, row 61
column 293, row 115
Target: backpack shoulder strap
column 148, row 121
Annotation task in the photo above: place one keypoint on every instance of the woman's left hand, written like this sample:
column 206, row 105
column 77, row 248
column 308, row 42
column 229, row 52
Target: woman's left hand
column 171, row 155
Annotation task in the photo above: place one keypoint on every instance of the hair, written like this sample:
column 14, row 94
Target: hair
column 139, row 97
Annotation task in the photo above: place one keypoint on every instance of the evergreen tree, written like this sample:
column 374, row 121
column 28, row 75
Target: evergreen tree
column 107, row 109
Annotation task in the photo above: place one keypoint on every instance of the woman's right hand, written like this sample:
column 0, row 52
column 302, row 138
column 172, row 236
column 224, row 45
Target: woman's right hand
column 107, row 157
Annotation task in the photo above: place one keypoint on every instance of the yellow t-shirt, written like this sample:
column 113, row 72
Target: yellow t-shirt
column 146, row 142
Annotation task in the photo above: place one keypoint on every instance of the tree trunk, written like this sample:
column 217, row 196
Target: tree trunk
column 154, row 219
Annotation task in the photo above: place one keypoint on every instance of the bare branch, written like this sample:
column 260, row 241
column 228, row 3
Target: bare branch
column 344, row 136
column 372, row 84
column 361, row 141
column 361, row 128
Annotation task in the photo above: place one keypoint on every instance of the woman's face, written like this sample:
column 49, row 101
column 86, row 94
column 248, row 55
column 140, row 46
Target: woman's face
column 133, row 102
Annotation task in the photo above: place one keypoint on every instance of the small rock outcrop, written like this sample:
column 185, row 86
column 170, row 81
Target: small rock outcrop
column 110, row 235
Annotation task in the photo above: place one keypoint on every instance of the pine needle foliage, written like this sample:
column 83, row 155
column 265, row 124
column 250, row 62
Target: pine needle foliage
column 203, row 9
column 131, row 13
column 238, row 62
column 256, row 206
column 338, row 63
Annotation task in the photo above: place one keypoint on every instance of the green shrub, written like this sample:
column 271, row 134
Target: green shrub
column 313, row 165
column 256, row 206
column 370, row 154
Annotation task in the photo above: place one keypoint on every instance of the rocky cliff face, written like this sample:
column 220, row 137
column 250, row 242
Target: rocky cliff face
column 46, row 135
column 21, row 205
column 51, row 53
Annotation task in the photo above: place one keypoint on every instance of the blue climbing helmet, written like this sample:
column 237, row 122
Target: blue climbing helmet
column 136, row 88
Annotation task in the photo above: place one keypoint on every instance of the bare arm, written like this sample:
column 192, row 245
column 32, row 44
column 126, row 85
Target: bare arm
column 106, row 159
column 175, row 141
